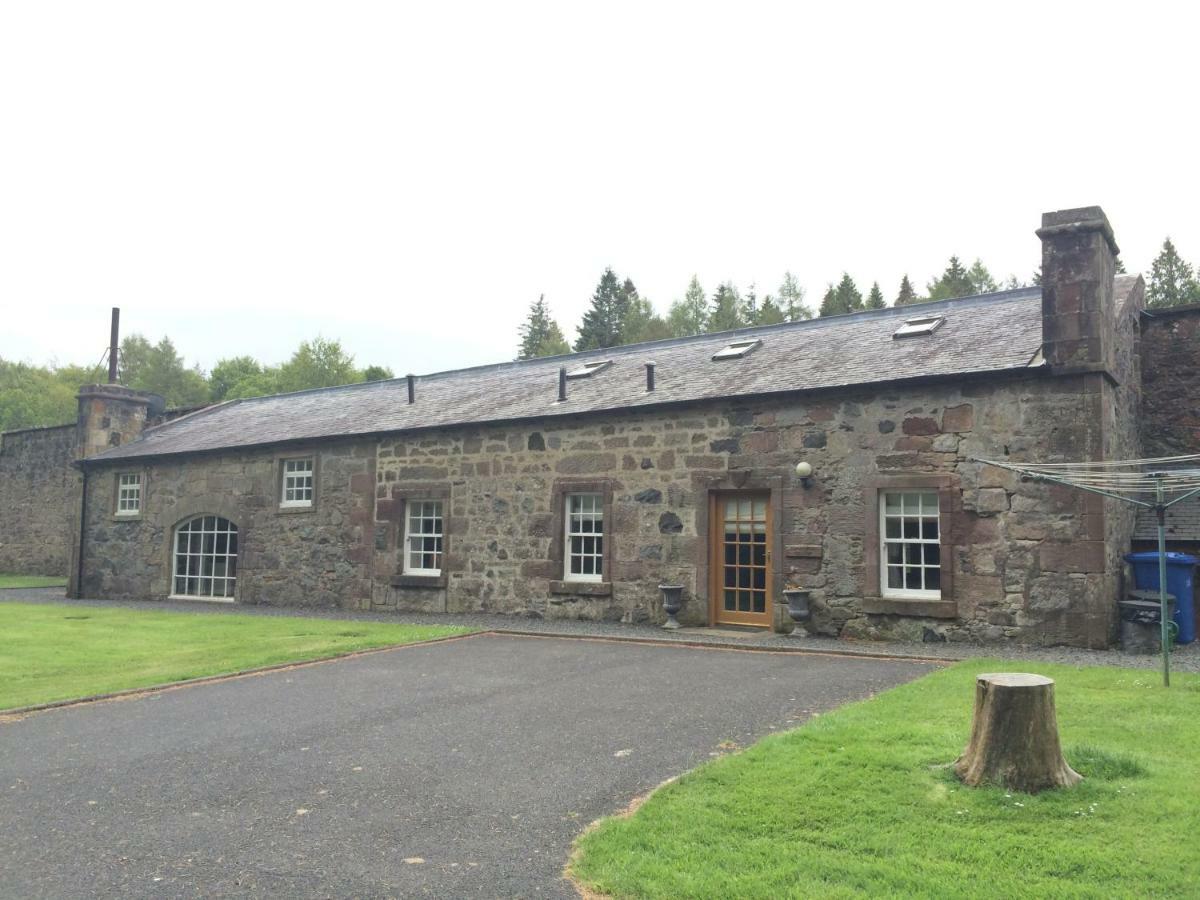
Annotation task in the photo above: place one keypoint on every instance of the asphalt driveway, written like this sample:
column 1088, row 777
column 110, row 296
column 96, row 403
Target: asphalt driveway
column 463, row 768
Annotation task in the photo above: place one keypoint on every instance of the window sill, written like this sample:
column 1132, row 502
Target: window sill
column 291, row 510
column 895, row 606
column 419, row 581
column 582, row 588
column 195, row 599
column 127, row 517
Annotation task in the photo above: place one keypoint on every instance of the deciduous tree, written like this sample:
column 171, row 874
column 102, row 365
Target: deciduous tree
column 690, row 315
column 791, row 299
column 159, row 369
column 981, row 279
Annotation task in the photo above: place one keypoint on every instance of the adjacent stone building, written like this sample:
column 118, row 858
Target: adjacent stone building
column 574, row 486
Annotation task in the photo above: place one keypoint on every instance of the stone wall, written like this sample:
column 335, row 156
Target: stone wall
column 316, row 557
column 1023, row 562
column 1170, row 424
column 1030, row 561
column 39, row 491
column 1170, row 362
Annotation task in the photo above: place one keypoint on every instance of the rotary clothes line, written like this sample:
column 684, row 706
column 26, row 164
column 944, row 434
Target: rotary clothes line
column 1156, row 484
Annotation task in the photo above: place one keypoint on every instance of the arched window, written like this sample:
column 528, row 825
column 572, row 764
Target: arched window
column 206, row 550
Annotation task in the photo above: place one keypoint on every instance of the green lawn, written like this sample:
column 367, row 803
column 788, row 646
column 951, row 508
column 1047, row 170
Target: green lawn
column 55, row 652
column 856, row 803
column 31, row 581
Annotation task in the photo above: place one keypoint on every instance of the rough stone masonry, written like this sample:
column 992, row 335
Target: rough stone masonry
column 1022, row 562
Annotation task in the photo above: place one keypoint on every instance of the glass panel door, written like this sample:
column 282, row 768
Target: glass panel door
column 741, row 559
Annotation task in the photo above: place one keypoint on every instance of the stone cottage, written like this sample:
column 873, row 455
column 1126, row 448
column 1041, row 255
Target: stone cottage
column 574, row 486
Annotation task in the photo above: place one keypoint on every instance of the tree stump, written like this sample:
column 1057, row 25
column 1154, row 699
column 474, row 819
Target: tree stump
column 1014, row 736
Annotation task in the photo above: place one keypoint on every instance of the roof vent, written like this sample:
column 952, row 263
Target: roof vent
column 919, row 325
column 588, row 369
column 738, row 349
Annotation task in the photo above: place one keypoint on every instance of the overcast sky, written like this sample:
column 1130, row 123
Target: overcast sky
column 408, row 177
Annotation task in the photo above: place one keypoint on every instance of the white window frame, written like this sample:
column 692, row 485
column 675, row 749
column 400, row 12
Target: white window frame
column 419, row 510
column 202, row 559
column 884, row 541
column 569, row 520
column 289, row 474
column 129, row 494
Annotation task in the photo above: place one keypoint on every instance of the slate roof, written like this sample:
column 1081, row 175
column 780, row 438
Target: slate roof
column 987, row 333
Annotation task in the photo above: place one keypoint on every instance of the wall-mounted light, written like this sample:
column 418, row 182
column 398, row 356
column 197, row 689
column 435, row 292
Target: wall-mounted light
column 804, row 472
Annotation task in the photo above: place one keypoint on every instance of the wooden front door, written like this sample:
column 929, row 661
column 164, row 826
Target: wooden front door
column 740, row 558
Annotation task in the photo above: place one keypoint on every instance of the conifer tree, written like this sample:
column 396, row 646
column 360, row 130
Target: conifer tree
column 875, row 298
column 907, row 295
column 690, row 315
column 769, row 312
column 726, row 312
column 829, row 304
column 849, row 297
column 601, row 326
column 540, row 334
column 791, row 299
column 1172, row 281
column 954, row 282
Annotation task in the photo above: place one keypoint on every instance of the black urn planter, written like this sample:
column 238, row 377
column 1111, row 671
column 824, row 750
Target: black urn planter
column 672, row 603
column 798, row 608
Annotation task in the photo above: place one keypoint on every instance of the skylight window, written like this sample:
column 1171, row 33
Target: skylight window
column 738, row 349
column 919, row 325
column 590, row 368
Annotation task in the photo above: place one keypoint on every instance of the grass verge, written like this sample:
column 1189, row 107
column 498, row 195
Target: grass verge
column 31, row 581
column 54, row 652
column 860, row 802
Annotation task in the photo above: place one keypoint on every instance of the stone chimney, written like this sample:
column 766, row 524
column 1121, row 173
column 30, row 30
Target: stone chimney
column 1078, row 265
column 111, row 415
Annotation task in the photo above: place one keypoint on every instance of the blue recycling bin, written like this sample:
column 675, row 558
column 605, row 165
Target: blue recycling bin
column 1180, row 574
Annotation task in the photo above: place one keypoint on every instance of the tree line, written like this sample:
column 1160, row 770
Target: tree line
column 619, row 315
column 35, row 396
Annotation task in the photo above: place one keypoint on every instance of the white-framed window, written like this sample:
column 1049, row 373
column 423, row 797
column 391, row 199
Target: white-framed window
column 129, row 494
column 910, row 553
column 297, row 482
column 206, row 549
column 423, row 536
column 584, row 556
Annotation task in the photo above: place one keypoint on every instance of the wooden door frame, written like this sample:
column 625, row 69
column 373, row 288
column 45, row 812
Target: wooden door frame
column 742, row 480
